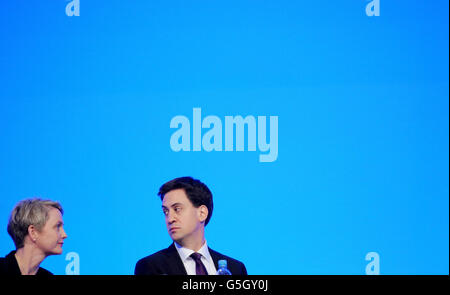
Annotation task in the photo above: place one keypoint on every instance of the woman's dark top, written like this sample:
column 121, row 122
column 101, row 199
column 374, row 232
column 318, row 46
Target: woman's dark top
column 9, row 266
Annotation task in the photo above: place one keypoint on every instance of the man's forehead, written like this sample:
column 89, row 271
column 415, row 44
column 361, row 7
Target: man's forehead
column 175, row 196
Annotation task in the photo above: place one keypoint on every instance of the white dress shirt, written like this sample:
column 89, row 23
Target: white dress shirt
column 189, row 263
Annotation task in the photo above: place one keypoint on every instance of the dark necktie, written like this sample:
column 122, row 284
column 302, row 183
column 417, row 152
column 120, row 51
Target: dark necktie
column 199, row 266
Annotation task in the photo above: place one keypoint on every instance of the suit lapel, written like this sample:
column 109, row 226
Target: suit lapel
column 231, row 264
column 174, row 264
column 215, row 256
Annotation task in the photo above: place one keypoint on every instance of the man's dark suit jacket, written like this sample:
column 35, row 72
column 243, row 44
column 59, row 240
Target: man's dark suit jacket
column 168, row 262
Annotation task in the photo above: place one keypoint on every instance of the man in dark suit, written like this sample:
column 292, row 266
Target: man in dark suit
column 187, row 205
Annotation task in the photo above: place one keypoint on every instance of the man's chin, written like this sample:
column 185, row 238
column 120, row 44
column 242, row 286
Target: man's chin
column 177, row 239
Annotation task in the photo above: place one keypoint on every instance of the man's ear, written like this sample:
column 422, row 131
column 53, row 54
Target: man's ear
column 203, row 213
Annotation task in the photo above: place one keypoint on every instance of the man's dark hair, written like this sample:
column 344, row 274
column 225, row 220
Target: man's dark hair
column 197, row 192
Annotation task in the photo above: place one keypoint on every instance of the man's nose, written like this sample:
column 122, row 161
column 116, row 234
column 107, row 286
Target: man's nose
column 64, row 235
column 171, row 217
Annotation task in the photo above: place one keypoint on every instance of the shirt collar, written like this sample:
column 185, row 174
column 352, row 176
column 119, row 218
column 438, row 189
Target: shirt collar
column 185, row 253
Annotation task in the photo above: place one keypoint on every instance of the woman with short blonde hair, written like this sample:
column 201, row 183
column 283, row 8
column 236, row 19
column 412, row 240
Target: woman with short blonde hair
column 36, row 227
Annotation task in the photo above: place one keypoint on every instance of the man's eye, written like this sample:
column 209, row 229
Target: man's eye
column 165, row 212
column 177, row 209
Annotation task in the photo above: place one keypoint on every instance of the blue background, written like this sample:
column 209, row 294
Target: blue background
column 363, row 107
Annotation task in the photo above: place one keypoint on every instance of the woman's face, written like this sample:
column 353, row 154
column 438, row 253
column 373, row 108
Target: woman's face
column 51, row 238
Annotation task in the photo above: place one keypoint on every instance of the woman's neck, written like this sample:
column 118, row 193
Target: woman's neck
column 29, row 258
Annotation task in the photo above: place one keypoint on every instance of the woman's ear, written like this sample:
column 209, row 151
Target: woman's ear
column 33, row 233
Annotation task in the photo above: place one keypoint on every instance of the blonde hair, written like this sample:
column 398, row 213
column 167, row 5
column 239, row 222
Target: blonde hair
column 29, row 212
